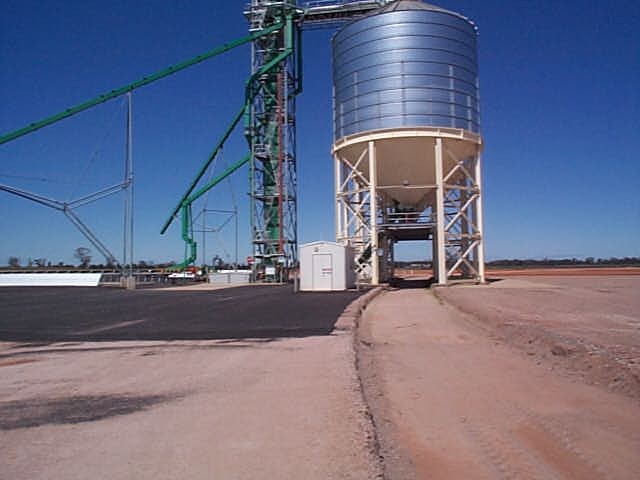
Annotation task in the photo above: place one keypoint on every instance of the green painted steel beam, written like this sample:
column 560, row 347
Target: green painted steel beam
column 204, row 168
column 186, row 213
column 188, row 198
column 299, row 68
column 190, row 243
column 270, row 211
column 265, row 68
column 209, row 185
column 32, row 127
column 244, row 111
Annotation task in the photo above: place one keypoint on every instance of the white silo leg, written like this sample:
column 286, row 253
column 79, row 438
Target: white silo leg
column 338, row 189
column 373, row 206
column 439, row 250
column 479, row 219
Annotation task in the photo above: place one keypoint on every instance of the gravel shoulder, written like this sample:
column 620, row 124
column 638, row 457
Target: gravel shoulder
column 451, row 401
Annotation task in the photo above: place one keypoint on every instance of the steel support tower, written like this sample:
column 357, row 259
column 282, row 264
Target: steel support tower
column 271, row 133
column 271, row 126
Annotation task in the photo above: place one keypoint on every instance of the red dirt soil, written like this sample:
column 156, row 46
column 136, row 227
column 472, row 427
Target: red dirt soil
column 493, row 273
column 563, row 272
column 537, row 380
column 588, row 327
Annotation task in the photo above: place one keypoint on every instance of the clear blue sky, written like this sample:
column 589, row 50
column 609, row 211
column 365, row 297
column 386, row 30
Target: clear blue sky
column 560, row 93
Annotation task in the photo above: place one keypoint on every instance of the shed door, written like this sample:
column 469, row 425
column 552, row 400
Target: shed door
column 322, row 271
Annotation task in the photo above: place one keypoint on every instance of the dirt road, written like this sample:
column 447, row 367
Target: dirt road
column 449, row 401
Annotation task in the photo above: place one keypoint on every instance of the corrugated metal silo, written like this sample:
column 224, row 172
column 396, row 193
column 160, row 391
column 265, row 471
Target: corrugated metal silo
column 410, row 64
column 407, row 138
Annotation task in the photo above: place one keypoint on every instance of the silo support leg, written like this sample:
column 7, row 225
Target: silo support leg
column 373, row 206
column 439, row 260
column 340, row 234
column 479, row 219
column 353, row 207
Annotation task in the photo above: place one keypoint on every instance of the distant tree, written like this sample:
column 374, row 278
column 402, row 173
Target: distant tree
column 40, row 262
column 14, row 262
column 83, row 254
column 217, row 262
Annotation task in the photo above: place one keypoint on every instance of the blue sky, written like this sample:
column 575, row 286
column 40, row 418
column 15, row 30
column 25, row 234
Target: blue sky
column 560, row 118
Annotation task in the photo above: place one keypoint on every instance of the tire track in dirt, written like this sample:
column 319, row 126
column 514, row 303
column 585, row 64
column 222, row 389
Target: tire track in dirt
column 507, row 456
column 550, row 438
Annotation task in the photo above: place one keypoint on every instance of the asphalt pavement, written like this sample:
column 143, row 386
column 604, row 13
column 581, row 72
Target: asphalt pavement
column 74, row 314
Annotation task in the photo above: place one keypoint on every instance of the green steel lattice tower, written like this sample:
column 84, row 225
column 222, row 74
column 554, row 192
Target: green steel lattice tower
column 271, row 131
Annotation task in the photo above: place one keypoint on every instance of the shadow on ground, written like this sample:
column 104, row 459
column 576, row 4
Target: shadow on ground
column 425, row 283
column 71, row 410
column 73, row 314
column 411, row 282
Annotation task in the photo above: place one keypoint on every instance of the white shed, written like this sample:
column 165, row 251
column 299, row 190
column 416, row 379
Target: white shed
column 326, row 266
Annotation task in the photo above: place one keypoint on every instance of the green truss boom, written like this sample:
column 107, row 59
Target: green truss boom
column 32, row 127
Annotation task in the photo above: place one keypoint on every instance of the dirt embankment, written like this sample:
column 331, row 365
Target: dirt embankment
column 496, row 273
column 585, row 327
column 563, row 271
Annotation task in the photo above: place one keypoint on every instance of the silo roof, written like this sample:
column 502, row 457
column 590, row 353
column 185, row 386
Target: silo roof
column 401, row 5
column 410, row 5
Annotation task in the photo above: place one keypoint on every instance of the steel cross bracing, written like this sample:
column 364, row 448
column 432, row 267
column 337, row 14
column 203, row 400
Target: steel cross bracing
column 270, row 131
column 463, row 219
column 368, row 220
column 354, row 210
